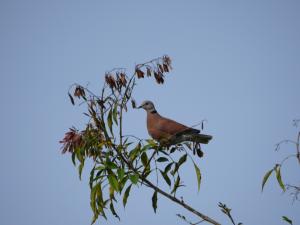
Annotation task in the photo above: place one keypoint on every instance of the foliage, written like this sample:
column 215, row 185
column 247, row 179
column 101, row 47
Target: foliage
column 295, row 190
column 227, row 212
column 277, row 168
column 122, row 162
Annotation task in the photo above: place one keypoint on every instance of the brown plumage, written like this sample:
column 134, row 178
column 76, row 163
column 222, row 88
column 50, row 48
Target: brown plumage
column 164, row 129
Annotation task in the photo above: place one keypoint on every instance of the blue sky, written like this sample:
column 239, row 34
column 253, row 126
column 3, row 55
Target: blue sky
column 236, row 64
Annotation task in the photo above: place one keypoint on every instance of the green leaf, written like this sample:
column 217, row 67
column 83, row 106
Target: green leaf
column 111, row 193
column 152, row 143
column 154, row 201
column 278, row 176
column 113, row 181
column 134, row 178
column 100, row 168
column 113, row 211
column 266, row 177
column 176, row 185
column 73, row 158
column 198, row 173
column 173, row 149
column 121, row 173
column 80, row 167
column 109, row 121
column 92, row 177
column 79, row 155
column 115, row 113
column 162, row 159
column 165, row 176
column 286, row 219
column 96, row 191
column 144, row 159
column 126, row 194
column 134, row 152
column 111, row 165
column 180, row 162
column 182, row 159
column 168, row 167
column 122, row 182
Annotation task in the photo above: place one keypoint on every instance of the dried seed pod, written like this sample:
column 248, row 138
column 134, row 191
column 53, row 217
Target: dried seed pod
column 139, row 73
column 79, row 91
column 161, row 69
column 159, row 77
column 166, row 68
column 71, row 140
column 110, row 80
column 148, row 72
column 167, row 60
column 122, row 79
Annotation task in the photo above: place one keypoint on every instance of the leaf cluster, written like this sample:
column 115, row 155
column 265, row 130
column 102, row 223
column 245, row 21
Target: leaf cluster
column 122, row 162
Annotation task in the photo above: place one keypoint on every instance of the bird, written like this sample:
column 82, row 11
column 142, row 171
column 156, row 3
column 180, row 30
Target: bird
column 165, row 130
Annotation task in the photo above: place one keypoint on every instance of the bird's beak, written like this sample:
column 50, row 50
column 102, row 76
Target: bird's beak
column 141, row 106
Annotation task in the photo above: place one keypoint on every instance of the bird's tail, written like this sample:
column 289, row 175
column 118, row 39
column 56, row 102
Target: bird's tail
column 190, row 135
column 201, row 138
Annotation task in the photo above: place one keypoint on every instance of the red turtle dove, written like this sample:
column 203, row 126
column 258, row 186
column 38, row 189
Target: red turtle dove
column 163, row 129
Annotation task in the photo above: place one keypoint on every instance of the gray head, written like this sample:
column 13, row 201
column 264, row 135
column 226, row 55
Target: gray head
column 148, row 106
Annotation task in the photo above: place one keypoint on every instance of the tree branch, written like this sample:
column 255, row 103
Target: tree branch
column 167, row 195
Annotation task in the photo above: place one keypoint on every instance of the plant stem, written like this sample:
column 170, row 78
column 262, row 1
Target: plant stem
column 172, row 198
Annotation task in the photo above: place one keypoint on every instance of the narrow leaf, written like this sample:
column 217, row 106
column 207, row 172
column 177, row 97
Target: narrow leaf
column 113, row 211
column 111, row 165
column 134, row 178
column 162, row 159
column 115, row 113
column 176, row 185
column 198, row 173
column 111, row 193
column 92, row 177
column 73, row 158
column 165, row 176
column 279, row 179
column 126, row 194
column 182, row 159
column 80, row 167
column 154, row 201
column 180, row 162
column 168, row 167
column 121, row 173
column 144, row 159
column 267, row 175
column 109, row 121
column 113, row 181
column 286, row 219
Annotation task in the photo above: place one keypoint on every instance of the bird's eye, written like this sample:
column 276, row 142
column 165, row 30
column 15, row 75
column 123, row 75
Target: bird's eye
column 147, row 103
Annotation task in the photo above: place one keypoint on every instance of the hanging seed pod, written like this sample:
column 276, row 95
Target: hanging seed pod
column 139, row 73
column 159, row 77
column 79, row 92
column 122, row 79
column 110, row 80
column 166, row 68
column 161, row 69
column 148, row 72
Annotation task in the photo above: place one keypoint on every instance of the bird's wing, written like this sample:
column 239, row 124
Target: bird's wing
column 172, row 127
column 163, row 128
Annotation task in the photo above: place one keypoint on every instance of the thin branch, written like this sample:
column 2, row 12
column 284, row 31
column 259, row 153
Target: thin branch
column 172, row 198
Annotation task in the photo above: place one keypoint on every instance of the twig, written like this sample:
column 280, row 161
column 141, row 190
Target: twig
column 172, row 198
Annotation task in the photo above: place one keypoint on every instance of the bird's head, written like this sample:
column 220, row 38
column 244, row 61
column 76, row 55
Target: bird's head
column 148, row 106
